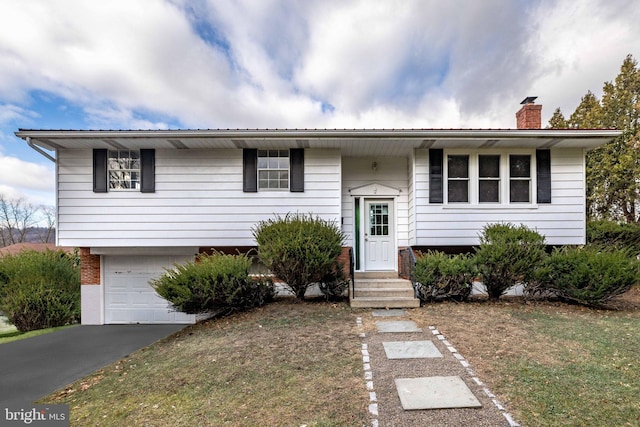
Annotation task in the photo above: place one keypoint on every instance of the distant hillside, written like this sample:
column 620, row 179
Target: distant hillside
column 33, row 235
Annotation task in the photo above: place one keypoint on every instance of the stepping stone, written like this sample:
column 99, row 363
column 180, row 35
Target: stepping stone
column 394, row 312
column 435, row 393
column 398, row 326
column 410, row 350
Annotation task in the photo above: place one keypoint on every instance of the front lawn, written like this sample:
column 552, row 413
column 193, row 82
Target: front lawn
column 299, row 363
column 552, row 363
column 288, row 363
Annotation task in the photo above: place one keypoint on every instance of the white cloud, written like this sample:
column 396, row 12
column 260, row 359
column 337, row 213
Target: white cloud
column 32, row 181
column 578, row 46
column 280, row 64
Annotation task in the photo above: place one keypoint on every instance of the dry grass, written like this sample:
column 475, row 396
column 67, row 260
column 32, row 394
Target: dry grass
column 551, row 363
column 288, row 363
column 293, row 364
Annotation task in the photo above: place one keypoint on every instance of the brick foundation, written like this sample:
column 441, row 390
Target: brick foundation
column 344, row 259
column 89, row 267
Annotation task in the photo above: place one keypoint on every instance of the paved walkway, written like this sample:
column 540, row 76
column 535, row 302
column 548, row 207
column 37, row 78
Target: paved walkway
column 34, row 367
column 416, row 377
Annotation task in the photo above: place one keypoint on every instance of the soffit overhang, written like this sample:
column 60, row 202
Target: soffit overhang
column 357, row 142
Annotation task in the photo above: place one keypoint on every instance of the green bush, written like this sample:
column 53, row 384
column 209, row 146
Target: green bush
column 334, row 284
column 586, row 275
column 608, row 235
column 215, row 283
column 440, row 276
column 298, row 249
column 40, row 289
column 508, row 255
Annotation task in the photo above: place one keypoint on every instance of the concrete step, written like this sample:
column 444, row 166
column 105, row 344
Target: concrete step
column 371, row 302
column 382, row 283
column 375, row 275
column 384, row 292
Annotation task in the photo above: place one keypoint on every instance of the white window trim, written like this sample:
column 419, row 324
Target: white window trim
column 258, row 169
column 109, row 170
column 474, row 180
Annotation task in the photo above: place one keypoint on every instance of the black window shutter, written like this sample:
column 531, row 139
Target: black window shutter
column 250, row 170
column 147, row 171
column 296, row 170
column 435, row 175
column 543, row 171
column 99, row 171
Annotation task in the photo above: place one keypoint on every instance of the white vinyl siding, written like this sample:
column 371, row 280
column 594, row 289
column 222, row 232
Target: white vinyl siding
column 198, row 201
column 390, row 171
column 561, row 222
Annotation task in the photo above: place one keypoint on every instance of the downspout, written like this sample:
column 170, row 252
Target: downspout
column 39, row 150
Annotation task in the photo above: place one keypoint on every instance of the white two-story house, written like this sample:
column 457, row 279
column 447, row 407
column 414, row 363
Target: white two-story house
column 137, row 201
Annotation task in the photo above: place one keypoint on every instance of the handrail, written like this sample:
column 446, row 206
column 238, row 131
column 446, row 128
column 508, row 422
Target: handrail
column 352, row 272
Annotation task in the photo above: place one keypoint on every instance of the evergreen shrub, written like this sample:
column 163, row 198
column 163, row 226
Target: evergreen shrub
column 586, row 275
column 40, row 289
column 609, row 234
column 440, row 276
column 217, row 283
column 508, row 255
column 299, row 249
column 334, row 284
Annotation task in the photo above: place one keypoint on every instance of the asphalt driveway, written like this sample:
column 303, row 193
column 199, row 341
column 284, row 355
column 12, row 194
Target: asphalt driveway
column 34, row 367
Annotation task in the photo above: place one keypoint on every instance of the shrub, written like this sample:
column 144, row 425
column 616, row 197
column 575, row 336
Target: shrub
column 508, row 255
column 608, row 235
column 587, row 275
column 298, row 249
column 39, row 289
column 334, row 283
column 215, row 283
column 440, row 276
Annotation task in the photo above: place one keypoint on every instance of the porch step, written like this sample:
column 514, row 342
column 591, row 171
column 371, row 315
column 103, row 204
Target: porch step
column 382, row 290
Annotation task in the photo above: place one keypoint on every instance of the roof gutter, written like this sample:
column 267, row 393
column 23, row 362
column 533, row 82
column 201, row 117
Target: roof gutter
column 39, row 150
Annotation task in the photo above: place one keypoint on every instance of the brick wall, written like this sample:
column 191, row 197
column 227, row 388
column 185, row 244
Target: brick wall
column 529, row 117
column 89, row 267
column 344, row 259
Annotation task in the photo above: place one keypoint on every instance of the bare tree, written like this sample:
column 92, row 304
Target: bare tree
column 17, row 217
column 47, row 229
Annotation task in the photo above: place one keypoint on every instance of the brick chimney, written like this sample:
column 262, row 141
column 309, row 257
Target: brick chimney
column 530, row 115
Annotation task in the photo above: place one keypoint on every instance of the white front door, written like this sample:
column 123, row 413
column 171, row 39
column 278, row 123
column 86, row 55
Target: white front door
column 379, row 235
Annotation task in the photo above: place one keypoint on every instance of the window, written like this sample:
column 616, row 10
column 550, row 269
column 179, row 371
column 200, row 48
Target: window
column 379, row 219
column 458, row 179
column 273, row 169
column 489, row 178
column 115, row 170
column 520, row 178
column 124, row 169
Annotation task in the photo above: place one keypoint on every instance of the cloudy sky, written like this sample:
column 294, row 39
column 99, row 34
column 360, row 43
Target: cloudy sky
column 122, row 64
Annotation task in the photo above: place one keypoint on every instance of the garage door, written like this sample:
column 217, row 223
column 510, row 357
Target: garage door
column 128, row 296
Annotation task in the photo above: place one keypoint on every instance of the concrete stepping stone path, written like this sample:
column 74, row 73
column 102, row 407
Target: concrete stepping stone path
column 394, row 312
column 395, row 326
column 411, row 350
column 435, row 393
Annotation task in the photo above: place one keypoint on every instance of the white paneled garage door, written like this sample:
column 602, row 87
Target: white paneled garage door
column 129, row 298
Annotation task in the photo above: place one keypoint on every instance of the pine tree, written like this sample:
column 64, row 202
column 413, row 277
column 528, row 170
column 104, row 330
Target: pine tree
column 613, row 170
column 613, row 191
column 557, row 121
